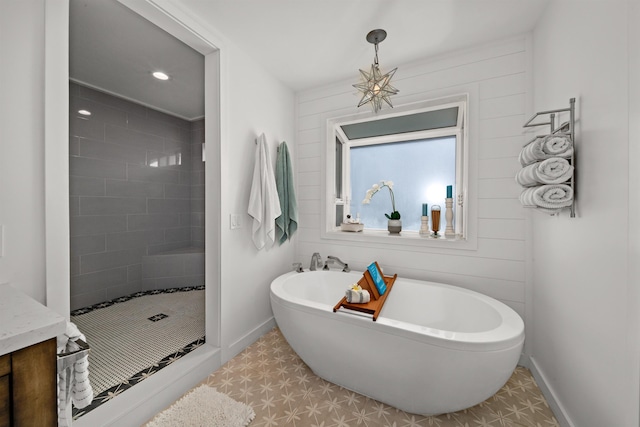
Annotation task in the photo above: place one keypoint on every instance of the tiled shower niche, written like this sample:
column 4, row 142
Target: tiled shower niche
column 136, row 190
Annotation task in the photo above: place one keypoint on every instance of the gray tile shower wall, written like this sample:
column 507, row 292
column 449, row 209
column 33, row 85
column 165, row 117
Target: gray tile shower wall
column 173, row 269
column 136, row 189
column 197, row 184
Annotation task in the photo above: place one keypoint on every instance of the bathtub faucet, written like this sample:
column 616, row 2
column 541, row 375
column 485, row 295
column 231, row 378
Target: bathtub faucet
column 316, row 261
column 332, row 259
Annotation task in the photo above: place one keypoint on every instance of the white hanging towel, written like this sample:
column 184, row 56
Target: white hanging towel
column 264, row 204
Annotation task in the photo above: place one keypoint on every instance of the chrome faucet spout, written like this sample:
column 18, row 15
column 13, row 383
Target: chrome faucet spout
column 316, row 261
column 334, row 259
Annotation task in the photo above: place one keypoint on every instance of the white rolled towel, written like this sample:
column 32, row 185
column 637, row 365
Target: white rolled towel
column 548, row 196
column 357, row 296
column 82, row 392
column 546, row 147
column 64, row 393
column 71, row 333
column 555, row 170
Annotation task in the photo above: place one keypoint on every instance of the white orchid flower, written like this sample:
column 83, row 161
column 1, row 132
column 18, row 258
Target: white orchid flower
column 377, row 187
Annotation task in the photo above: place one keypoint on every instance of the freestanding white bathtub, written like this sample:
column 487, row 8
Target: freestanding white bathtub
column 434, row 348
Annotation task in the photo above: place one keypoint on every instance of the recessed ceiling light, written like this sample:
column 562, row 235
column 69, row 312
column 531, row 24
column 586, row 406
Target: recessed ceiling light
column 160, row 75
column 84, row 112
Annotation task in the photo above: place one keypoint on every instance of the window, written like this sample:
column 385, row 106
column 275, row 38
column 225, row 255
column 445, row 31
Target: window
column 339, row 195
column 421, row 148
column 420, row 170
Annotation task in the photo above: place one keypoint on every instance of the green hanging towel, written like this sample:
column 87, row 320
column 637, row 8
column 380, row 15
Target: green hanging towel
column 287, row 222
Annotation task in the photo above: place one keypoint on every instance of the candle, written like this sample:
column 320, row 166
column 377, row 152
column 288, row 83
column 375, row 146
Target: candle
column 449, row 191
column 425, row 209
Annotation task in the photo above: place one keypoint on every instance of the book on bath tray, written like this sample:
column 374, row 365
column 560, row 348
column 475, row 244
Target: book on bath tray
column 376, row 275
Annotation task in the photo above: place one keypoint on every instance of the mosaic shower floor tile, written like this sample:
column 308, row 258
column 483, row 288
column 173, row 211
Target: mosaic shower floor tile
column 133, row 337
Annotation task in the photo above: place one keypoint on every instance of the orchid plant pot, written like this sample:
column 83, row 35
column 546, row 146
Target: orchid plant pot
column 394, row 226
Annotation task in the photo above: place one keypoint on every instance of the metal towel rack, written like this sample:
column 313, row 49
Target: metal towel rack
column 566, row 128
column 67, row 359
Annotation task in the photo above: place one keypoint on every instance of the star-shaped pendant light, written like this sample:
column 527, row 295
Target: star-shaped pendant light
column 375, row 86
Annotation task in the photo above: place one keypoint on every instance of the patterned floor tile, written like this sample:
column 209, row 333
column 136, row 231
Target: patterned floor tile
column 283, row 391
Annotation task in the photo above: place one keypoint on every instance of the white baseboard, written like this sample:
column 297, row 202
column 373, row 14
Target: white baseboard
column 139, row 404
column 249, row 338
column 555, row 405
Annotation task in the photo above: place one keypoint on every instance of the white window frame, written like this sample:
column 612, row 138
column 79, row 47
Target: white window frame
column 466, row 166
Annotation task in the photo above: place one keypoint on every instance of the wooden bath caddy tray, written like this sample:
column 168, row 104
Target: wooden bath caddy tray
column 376, row 302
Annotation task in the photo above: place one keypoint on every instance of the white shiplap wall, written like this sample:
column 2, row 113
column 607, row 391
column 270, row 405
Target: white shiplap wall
column 497, row 267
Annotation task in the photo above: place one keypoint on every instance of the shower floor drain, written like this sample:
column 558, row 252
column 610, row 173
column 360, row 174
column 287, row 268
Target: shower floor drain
column 157, row 317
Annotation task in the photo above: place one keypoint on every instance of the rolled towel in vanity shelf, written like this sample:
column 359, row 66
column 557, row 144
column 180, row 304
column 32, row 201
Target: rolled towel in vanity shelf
column 548, row 196
column 555, row 170
column 357, row 296
column 543, row 148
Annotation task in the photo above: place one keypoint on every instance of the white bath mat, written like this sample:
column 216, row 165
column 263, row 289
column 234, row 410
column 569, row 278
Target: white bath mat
column 204, row 407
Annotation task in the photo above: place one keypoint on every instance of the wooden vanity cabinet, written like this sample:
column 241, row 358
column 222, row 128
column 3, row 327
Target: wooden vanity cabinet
column 28, row 386
column 5, row 390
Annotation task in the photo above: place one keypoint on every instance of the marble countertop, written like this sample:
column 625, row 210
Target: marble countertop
column 24, row 321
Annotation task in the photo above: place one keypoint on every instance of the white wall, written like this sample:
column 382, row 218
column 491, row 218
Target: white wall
column 497, row 268
column 583, row 344
column 22, row 208
column 256, row 103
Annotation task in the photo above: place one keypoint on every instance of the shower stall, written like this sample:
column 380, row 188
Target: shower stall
column 137, row 193
column 136, row 198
